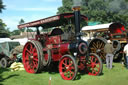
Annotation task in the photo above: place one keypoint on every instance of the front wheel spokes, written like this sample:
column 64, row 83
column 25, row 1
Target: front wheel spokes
column 94, row 71
column 67, row 67
column 68, row 73
column 94, row 65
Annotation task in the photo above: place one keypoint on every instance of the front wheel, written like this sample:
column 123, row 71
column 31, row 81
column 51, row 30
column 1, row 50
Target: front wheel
column 4, row 62
column 94, row 64
column 68, row 67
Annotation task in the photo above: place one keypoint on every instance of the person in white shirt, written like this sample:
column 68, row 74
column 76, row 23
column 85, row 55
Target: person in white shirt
column 126, row 52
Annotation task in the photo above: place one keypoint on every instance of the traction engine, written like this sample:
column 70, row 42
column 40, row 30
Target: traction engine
column 117, row 34
column 66, row 48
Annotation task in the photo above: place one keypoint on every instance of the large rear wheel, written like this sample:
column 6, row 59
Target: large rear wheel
column 68, row 67
column 97, row 46
column 32, row 57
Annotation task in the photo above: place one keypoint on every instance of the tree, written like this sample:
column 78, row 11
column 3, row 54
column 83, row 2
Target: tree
column 67, row 6
column 29, row 30
column 23, row 29
column 16, row 32
column 22, row 22
column 3, row 32
column 103, row 11
column 1, row 6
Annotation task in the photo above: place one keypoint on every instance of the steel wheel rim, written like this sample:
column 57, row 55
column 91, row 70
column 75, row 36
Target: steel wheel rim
column 93, row 66
column 30, row 58
column 67, row 68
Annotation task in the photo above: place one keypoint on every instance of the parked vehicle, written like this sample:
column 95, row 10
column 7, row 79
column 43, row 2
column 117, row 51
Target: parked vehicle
column 62, row 46
column 117, row 33
column 5, row 53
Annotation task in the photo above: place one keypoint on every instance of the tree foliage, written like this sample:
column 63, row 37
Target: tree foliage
column 22, row 22
column 3, row 32
column 16, row 32
column 29, row 30
column 23, row 29
column 1, row 6
column 66, row 6
column 103, row 11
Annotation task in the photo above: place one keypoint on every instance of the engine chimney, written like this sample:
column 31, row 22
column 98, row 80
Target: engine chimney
column 76, row 10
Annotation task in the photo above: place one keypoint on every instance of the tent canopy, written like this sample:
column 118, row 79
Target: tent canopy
column 96, row 27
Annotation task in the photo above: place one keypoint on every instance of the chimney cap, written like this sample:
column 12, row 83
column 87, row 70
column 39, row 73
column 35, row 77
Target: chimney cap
column 76, row 8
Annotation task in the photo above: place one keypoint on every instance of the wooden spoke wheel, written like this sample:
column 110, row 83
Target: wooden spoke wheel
column 94, row 65
column 32, row 57
column 68, row 67
column 97, row 46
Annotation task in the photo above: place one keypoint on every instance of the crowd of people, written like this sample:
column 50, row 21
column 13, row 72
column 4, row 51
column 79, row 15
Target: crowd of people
column 109, row 50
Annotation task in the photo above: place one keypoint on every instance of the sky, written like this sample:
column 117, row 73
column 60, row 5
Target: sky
column 28, row 10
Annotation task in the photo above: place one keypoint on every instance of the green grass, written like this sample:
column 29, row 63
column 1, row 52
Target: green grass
column 116, row 76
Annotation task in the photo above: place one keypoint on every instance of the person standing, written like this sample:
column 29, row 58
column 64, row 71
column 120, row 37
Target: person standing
column 126, row 52
column 108, row 49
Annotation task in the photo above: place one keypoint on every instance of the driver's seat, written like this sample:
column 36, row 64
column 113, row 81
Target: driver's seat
column 56, row 31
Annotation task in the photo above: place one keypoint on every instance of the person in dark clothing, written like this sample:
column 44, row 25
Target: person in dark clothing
column 108, row 49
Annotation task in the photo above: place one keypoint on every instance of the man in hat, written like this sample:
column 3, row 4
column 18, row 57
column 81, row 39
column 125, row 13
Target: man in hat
column 108, row 49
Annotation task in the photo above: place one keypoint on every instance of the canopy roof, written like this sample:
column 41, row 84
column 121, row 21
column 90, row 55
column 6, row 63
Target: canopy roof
column 53, row 21
column 96, row 27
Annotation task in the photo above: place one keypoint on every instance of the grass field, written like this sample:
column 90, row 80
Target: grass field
column 116, row 76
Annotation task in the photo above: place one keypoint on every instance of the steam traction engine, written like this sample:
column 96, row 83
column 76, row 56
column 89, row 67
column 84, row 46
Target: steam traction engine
column 117, row 34
column 66, row 47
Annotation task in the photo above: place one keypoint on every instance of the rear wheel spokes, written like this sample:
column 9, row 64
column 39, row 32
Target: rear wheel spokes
column 31, row 57
column 97, row 46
